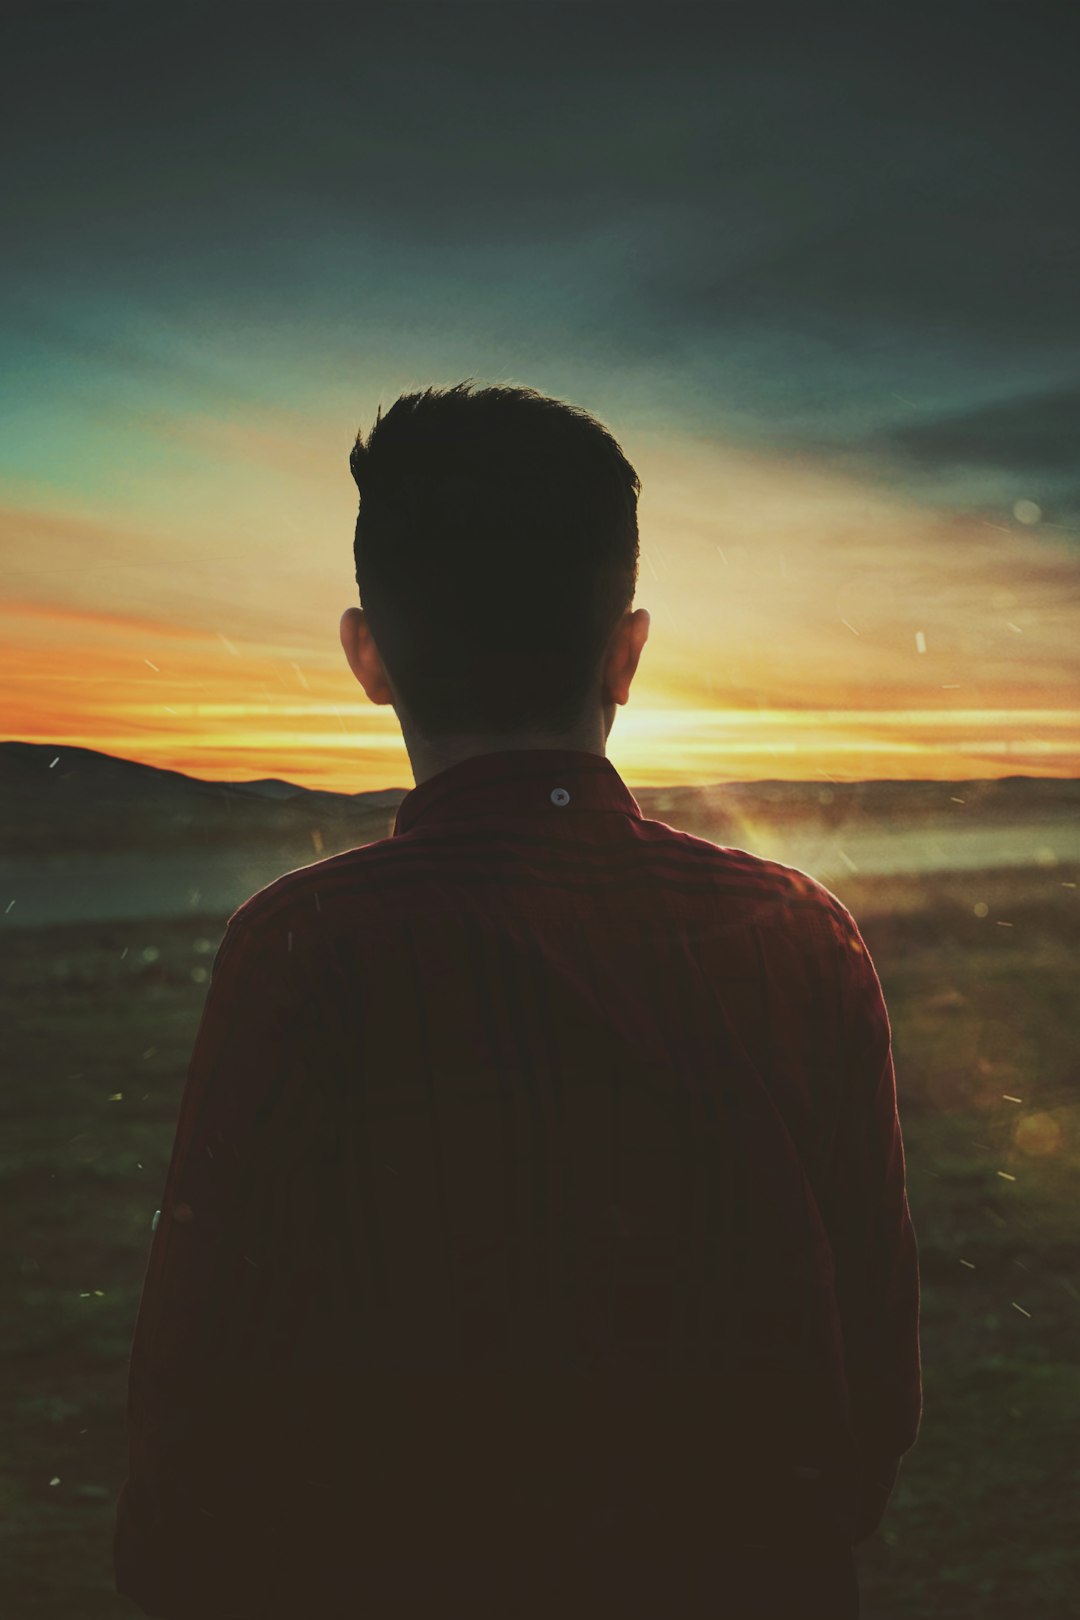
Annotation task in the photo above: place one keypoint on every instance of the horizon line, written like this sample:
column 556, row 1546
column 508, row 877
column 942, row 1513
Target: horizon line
column 819, row 779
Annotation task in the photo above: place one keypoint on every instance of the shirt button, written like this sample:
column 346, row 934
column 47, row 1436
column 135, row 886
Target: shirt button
column 560, row 796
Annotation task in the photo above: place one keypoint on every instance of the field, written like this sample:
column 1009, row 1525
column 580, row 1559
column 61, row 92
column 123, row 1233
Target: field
column 99, row 1019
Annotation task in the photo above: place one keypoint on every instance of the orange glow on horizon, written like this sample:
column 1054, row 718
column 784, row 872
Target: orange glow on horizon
column 804, row 626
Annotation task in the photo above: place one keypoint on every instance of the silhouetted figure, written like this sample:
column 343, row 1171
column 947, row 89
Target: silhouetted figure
column 535, row 1241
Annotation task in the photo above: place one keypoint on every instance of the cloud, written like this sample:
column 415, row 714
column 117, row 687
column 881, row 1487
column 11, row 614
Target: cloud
column 89, row 623
column 1033, row 433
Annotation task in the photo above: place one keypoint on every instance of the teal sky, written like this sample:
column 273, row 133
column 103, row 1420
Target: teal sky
column 846, row 230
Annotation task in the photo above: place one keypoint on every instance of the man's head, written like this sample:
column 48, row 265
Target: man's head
column 496, row 554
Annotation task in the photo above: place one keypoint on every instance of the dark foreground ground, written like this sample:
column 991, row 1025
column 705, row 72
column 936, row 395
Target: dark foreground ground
column 99, row 1020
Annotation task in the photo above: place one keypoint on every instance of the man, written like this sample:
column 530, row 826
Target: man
column 535, row 1240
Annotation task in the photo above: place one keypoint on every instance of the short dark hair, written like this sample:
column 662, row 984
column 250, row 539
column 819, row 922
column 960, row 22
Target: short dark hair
column 492, row 506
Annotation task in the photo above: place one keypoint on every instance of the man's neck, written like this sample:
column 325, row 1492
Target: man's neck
column 429, row 756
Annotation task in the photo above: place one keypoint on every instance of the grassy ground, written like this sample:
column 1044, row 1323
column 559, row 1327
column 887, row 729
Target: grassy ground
column 99, row 1022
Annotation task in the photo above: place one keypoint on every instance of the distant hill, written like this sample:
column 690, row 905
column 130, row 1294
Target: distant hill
column 56, row 798
column 65, row 798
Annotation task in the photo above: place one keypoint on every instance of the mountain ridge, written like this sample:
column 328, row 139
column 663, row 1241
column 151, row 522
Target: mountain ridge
column 60, row 797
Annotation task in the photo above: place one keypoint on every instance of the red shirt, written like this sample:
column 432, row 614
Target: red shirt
column 536, row 1211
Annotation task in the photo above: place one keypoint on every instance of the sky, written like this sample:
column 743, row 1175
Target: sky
column 817, row 269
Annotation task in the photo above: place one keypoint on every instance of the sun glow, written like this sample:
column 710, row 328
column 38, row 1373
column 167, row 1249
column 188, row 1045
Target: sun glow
column 803, row 625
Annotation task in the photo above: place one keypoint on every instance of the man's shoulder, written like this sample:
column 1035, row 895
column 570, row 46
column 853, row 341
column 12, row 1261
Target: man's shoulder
column 308, row 891
column 766, row 889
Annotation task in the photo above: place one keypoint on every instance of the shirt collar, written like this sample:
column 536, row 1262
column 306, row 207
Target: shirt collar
column 553, row 782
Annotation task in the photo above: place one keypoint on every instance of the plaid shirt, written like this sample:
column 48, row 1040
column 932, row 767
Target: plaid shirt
column 538, row 1178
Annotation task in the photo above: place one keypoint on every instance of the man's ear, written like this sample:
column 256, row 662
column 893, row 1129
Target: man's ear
column 363, row 657
column 626, row 649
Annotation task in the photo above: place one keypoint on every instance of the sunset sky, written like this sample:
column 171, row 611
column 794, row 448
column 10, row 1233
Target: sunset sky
column 817, row 269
